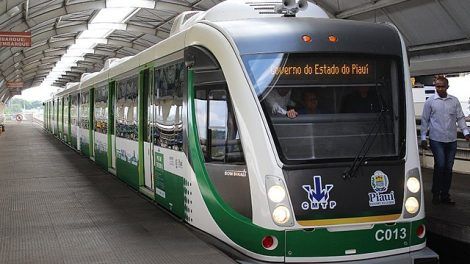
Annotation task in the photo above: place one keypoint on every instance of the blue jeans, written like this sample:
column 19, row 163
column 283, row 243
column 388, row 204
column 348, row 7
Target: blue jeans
column 444, row 154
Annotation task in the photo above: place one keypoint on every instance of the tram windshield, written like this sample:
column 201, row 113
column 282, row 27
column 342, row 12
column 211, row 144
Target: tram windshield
column 329, row 106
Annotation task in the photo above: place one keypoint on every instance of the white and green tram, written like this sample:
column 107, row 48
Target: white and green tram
column 199, row 123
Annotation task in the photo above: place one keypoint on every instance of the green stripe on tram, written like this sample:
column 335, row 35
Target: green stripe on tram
column 127, row 172
column 101, row 158
column 237, row 227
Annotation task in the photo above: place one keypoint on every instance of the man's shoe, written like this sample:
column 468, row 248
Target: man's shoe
column 435, row 200
column 448, row 201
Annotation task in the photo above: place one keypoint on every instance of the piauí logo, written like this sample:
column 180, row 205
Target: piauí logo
column 379, row 182
column 318, row 196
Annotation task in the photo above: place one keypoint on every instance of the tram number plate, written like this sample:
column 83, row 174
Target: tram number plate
column 390, row 234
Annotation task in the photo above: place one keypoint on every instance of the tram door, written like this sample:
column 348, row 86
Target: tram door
column 69, row 117
column 53, row 117
column 57, row 118
column 217, row 128
column 79, row 113
column 91, row 128
column 148, row 129
column 112, row 127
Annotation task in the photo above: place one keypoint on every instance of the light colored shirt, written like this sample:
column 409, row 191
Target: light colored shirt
column 278, row 103
column 440, row 116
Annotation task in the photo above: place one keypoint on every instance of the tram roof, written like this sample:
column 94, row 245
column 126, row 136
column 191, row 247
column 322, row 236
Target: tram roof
column 282, row 34
column 437, row 33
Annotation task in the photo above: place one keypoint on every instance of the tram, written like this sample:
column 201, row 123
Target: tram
column 200, row 123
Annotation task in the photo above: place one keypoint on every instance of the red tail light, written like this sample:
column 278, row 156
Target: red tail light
column 421, row 231
column 269, row 242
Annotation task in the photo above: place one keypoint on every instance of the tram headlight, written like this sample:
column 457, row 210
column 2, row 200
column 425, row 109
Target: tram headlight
column 412, row 205
column 276, row 193
column 278, row 201
column 413, row 184
column 413, row 195
column 281, row 215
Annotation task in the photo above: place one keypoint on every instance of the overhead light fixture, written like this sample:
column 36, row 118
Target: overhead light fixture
column 13, row 11
column 99, row 28
column 133, row 3
column 95, row 33
column 112, row 15
column 54, row 74
column 65, row 65
column 85, row 43
column 62, row 69
column 69, row 59
column 103, row 26
column 76, row 52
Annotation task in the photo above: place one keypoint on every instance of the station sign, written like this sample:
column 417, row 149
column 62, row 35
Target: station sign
column 12, row 85
column 15, row 39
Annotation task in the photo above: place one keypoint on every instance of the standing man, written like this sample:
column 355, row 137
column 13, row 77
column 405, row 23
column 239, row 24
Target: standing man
column 441, row 112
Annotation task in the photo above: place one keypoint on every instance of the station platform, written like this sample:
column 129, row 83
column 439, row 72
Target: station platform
column 449, row 221
column 59, row 207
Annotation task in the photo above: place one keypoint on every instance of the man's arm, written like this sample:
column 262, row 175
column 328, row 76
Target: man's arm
column 461, row 121
column 425, row 118
column 277, row 109
column 274, row 105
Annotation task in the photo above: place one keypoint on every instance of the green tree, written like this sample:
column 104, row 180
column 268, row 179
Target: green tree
column 17, row 105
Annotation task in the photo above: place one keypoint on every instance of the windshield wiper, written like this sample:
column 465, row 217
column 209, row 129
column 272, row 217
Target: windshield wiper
column 360, row 158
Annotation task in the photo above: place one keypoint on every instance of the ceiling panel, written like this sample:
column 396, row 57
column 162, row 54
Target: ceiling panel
column 424, row 22
column 459, row 10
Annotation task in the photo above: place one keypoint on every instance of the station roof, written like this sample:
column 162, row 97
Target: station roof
column 436, row 32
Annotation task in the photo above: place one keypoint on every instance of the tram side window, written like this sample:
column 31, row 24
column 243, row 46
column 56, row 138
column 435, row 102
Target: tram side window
column 168, row 106
column 60, row 110
column 126, row 105
column 150, row 117
column 73, row 110
column 53, row 110
column 84, row 110
column 217, row 127
column 66, row 112
column 101, row 109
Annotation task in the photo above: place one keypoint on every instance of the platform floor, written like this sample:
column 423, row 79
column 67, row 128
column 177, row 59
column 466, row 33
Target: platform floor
column 451, row 221
column 59, row 207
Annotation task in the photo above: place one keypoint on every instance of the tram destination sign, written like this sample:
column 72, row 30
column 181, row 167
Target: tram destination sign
column 322, row 69
column 15, row 39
